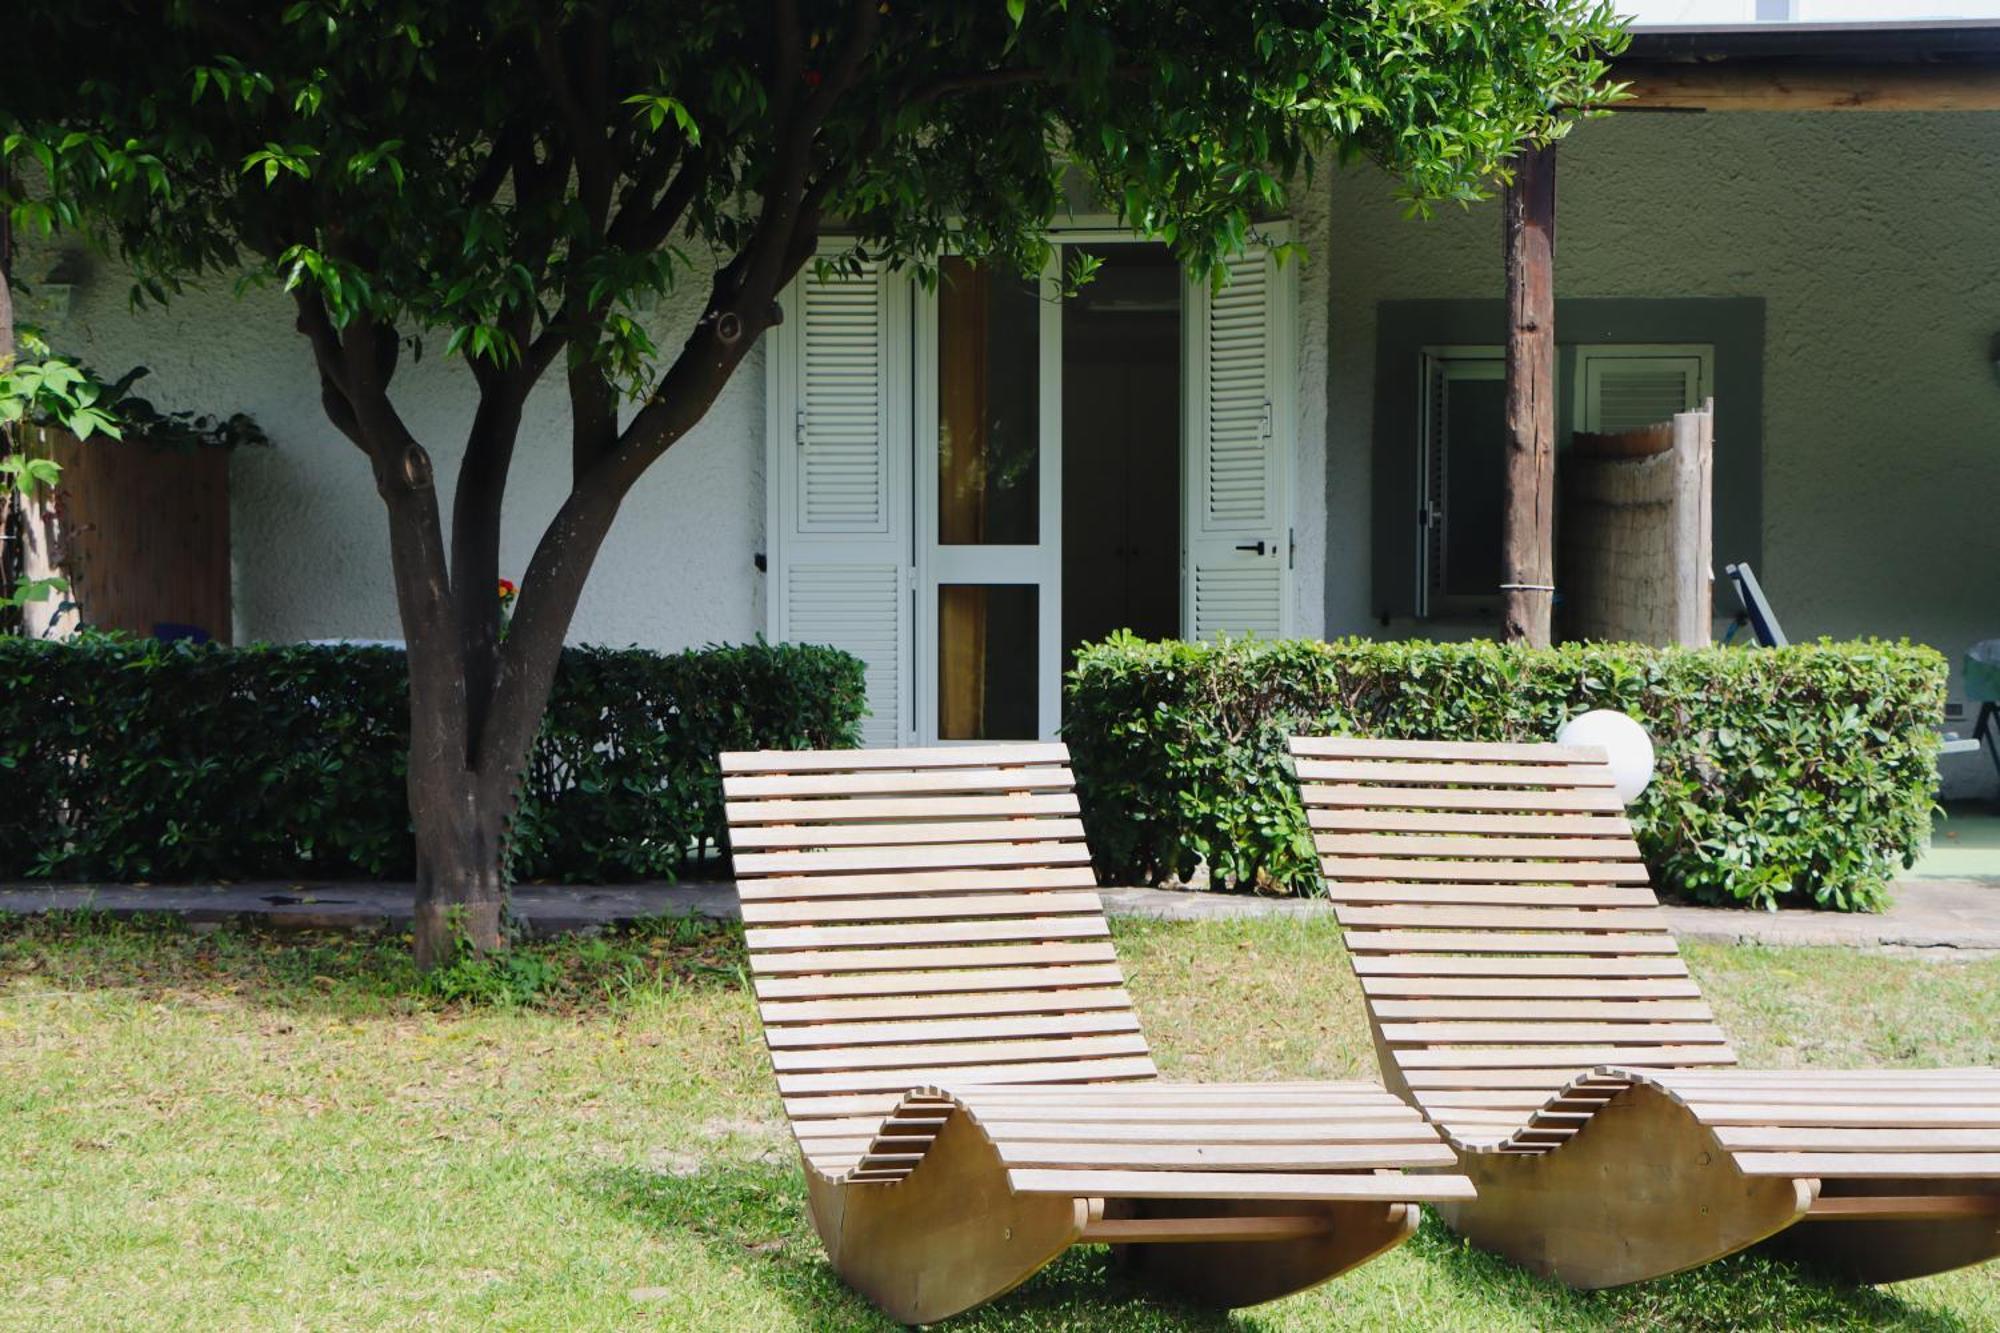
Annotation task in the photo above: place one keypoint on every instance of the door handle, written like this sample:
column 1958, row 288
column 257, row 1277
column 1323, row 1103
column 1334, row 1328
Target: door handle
column 1257, row 547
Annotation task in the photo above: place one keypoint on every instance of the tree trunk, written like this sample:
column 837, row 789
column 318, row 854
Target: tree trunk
column 1528, row 529
column 460, row 887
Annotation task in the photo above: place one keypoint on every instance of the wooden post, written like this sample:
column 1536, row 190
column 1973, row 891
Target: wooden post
column 1528, row 528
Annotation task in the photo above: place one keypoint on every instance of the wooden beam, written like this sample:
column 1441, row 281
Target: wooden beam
column 1770, row 85
column 1194, row 1230
column 1528, row 526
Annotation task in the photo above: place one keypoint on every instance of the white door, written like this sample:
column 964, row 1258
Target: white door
column 838, row 508
column 1238, row 438
column 988, row 502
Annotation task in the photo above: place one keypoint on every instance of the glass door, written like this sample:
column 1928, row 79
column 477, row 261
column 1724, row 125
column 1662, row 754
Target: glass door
column 989, row 525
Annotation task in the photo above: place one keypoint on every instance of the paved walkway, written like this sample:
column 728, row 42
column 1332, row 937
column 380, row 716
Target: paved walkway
column 1929, row 914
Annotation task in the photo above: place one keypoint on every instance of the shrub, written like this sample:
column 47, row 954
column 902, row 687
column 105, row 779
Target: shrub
column 129, row 759
column 1784, row 775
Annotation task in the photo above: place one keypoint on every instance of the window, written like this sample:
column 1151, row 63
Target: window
column 1626, row 387
column 1462, row 447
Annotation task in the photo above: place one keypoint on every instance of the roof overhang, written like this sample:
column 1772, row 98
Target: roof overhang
column 1942, row 65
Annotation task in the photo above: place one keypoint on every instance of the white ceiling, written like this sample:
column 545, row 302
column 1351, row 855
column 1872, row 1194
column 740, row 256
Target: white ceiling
column 1704, row 12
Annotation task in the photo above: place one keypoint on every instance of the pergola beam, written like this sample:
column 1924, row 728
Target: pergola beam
column 1790, row 85
column 1528, row 565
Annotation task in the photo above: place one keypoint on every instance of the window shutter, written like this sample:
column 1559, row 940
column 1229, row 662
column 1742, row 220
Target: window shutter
column 1240, row 396
column 1626, row 387
column 839, row 476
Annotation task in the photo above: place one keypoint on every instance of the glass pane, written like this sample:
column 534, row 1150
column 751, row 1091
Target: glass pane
column 988, row 655
column 989, row 390
column 1121, row 454
column 1475, row 484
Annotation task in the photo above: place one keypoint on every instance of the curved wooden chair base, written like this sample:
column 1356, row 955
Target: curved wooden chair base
column 950, row 1235
column 953, row 1234
column 1642, row 1190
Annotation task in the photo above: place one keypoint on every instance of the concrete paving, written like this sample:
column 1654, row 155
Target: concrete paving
column 1958, row 917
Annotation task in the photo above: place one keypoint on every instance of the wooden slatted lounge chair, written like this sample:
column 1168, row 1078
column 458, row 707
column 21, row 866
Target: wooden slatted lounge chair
column 1526, row 994
column 964, row 1073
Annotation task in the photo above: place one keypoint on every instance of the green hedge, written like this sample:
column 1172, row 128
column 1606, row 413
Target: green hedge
column 1801, row 775
column 129, row 759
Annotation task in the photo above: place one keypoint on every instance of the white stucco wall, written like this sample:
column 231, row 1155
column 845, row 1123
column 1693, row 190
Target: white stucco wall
column 310, row 540
column 1871, row 238
column 311, row 551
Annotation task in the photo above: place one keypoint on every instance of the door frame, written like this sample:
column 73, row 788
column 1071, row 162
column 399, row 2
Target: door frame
column 1039, row 565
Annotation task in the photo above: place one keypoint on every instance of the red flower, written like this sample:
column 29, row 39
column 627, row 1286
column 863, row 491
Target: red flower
column 507, row 590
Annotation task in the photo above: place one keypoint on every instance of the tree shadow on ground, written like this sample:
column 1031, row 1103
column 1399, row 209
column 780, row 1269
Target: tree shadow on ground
column 360, row 974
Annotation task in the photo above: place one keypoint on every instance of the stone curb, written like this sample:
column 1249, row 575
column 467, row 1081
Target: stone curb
column 1957, row 916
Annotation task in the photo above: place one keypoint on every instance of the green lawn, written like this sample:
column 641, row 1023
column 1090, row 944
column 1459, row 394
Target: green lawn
column 224, row 1131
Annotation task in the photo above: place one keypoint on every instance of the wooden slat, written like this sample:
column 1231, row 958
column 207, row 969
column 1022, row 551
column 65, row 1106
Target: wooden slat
column 1372, row 747
column 1792, row 1138
column 818, row 912
column 1547, row 1078
column 1795, row 1113
column 1575, row 801
column 1485, row 872
column 1902, row 1207
column 912, row 809
column 786, row 786
column 1498, row 848
column 1451, row 916
column 799, row 1037
column 939, row 1055
column 897, row 1080
column 851, row 761
column 1441, row 941
column 762, row 939
column 1484, row 775
column 1089, row 1129
column 924, row 883
column 997, row 977
column 1092, row 1119
column 1227, row 1156
column 907, row 833
column 1331, row 1187
column 1573, row 1057
column 1522, row 1010
column 1593, row 828
column 1873, row 1166
column 1204, row 1230
column 1361, row 892
column 972, row 856
column 1546, row 987
column 946, row 1006
column 1554, row 1033
column 897, row 960
column 1611, row 967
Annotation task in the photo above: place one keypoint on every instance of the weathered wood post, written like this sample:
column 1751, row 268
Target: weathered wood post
column 1528, row 527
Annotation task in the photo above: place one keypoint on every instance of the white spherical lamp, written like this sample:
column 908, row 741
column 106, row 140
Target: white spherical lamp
column 1624, row 742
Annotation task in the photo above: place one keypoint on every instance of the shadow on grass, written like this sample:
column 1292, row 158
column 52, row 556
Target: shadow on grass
column 360, row 974
column 1751, row 1290
column 756, row 1216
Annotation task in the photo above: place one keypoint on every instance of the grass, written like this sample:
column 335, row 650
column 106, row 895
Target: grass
column 227, row 1130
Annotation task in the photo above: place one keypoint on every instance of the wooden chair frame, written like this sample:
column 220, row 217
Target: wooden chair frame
column 965, row 1076
column 1526, row 995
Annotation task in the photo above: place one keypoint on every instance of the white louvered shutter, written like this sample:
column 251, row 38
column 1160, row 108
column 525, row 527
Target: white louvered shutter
column 1239, row 359
column 1626, row 387
column 839, row 475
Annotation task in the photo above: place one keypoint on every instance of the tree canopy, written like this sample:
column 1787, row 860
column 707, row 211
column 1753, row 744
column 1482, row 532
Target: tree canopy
column 515, row 180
